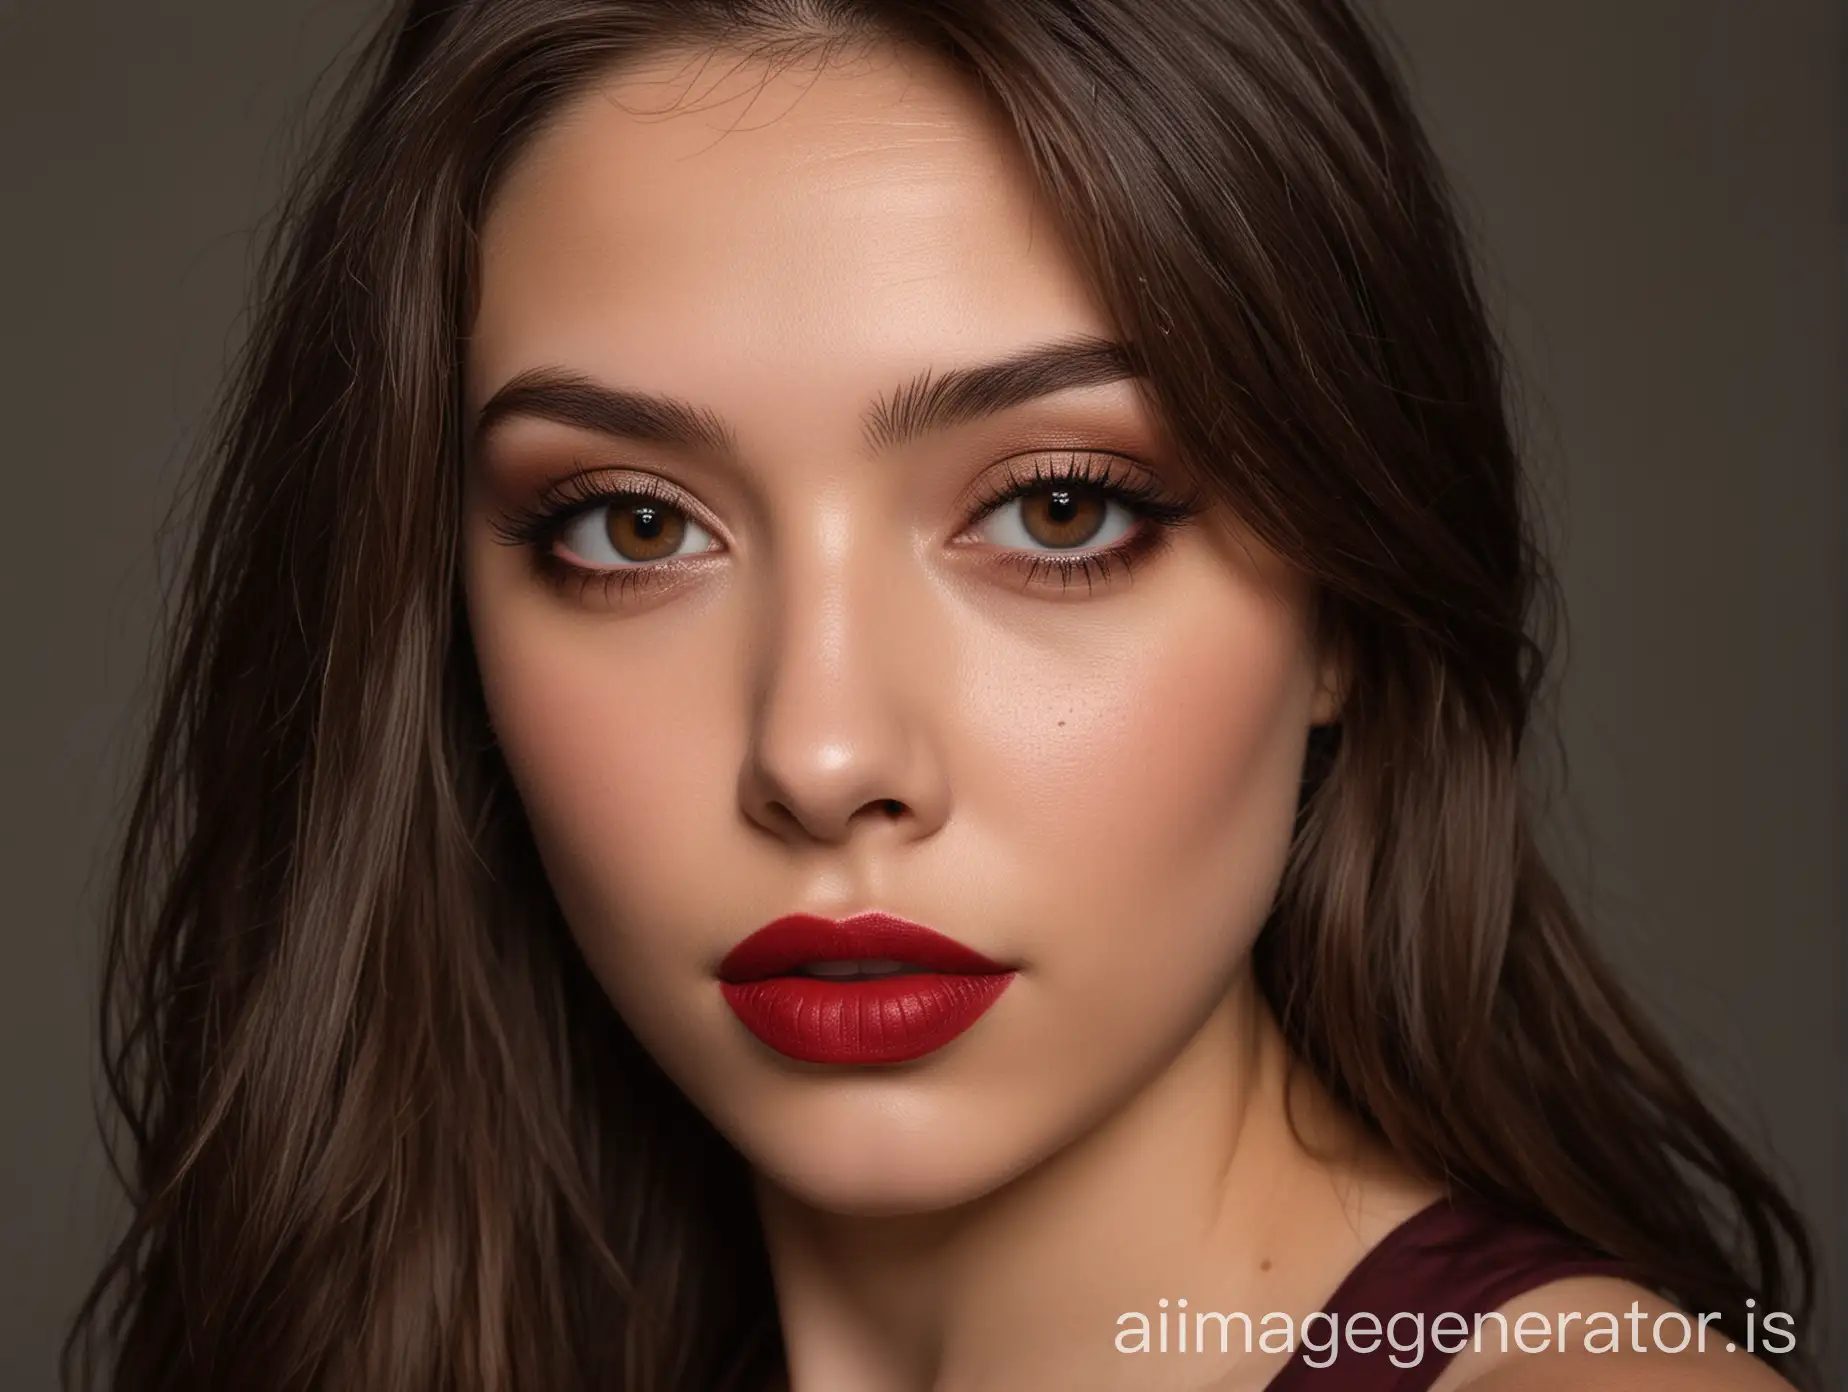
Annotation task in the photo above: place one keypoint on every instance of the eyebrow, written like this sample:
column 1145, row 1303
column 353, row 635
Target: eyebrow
column 931, row 401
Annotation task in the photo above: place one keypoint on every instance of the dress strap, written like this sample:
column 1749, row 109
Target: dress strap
column 1459, row 1256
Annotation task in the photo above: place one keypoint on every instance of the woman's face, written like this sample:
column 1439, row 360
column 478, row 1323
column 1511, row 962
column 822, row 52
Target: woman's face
column 790, row 598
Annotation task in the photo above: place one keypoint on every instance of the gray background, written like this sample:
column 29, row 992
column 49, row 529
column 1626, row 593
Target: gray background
column 1658, row 187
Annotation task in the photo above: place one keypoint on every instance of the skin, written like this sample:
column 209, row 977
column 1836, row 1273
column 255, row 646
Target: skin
column 855, row 698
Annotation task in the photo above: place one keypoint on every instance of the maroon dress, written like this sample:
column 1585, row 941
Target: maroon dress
column 1460, row 1255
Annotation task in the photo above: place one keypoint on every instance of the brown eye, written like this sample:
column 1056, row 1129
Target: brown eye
column 630, row 531
column 1057, row 515
column 644, row 530
column 1063, row 516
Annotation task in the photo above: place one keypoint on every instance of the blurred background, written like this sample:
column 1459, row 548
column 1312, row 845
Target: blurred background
column 1657, row 187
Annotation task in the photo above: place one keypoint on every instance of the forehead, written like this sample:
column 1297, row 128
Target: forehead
column 705, row 216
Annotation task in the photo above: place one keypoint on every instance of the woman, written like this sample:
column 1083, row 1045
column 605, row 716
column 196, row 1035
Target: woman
column 848, row 717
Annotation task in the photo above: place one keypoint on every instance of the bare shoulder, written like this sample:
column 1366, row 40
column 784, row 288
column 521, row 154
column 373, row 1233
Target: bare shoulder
column 1597, row 1334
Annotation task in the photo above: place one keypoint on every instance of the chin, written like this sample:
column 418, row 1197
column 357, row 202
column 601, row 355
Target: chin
column 862, row 1186
column 868, row 1148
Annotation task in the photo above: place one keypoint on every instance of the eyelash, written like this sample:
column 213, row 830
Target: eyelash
column 536, row 528
column 1157, row 511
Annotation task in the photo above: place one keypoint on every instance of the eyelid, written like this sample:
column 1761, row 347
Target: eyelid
column 1159, row 512
column 563, row 499
column 1136, row 486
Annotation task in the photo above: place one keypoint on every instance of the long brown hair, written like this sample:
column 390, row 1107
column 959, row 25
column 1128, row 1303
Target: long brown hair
column 382, row 1128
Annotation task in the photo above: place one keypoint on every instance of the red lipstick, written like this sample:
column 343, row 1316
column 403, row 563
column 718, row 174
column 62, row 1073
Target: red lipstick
column 866, row 989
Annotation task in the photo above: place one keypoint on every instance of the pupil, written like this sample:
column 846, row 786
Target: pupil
column 647, row 523
column 1063, row 509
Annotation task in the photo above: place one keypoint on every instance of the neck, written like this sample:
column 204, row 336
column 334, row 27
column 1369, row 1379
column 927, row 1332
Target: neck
column 1230, row 1180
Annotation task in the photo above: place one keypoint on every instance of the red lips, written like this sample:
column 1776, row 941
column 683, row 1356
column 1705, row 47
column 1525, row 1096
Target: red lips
column 941, row 990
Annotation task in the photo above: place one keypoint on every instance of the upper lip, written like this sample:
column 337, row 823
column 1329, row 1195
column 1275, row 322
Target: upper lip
column 797, row 940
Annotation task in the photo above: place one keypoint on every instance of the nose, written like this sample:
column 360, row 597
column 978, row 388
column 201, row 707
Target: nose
column 841, row 737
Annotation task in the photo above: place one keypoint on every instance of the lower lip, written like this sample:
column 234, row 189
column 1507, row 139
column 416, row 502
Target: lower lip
column 881, row 1020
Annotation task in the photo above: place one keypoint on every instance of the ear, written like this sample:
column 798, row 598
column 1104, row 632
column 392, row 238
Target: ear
column 1330, row 686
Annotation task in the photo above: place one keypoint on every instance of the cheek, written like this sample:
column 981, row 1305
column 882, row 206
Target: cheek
column 616, row 733
column 1150, row 805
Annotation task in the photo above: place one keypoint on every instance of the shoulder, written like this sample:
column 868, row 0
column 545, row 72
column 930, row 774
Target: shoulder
column 1600, row 1334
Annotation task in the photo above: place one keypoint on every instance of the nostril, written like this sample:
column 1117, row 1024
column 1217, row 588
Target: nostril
column 892, row 807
